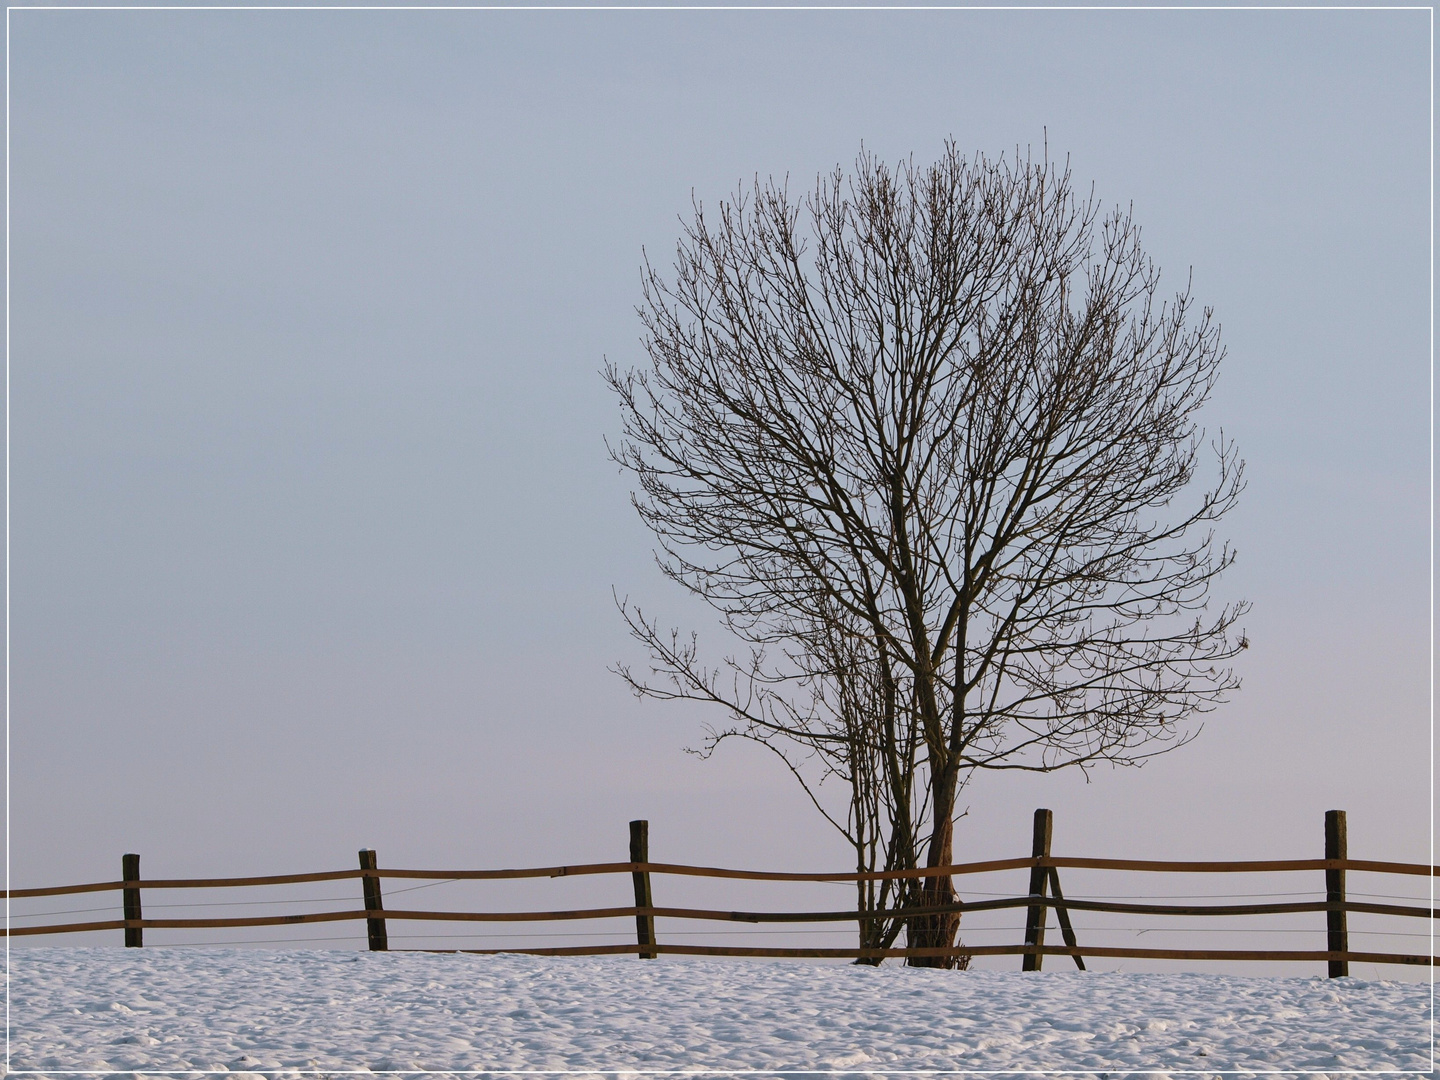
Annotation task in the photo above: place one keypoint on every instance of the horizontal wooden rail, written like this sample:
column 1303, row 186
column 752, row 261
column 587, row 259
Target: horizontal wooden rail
column 956, row 870
column 1286, row 908
column 968, row 950
column 732, row 916
column 183, row 883
column 1252, row 867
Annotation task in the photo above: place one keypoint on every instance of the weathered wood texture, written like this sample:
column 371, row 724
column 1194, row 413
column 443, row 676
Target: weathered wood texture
column 1337, row 935
column 1039, row 877
column 375, row 932
column 130, row 901
column 1061, row 913
column 640, row 854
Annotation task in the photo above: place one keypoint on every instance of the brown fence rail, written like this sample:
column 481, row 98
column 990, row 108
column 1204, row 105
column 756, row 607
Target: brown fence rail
column 1044, row 895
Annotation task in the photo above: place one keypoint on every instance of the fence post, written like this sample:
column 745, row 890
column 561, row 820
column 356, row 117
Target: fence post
column 640, row 853
column 130, row 871
column 1337, row 934
column 1062, row 915
column 374, row 927
column 1039, row 876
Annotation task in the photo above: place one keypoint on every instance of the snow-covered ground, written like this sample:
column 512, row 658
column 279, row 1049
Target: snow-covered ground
column 119, row 1010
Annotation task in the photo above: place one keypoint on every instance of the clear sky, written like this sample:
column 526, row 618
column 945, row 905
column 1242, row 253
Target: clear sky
column 313, row 531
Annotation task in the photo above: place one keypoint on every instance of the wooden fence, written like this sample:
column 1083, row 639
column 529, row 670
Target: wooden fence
column 1044, row 893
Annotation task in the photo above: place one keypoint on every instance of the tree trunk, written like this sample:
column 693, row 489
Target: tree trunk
column 938, row 931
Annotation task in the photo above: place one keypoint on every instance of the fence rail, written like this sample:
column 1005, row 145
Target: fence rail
column 576, row 870
column 965, row 950
column 1044, row 895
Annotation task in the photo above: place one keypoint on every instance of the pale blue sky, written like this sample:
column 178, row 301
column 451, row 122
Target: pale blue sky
column 313, row 529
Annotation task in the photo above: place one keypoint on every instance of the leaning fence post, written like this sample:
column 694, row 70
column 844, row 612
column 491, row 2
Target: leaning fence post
column 1062, row 915
column 130, row 898
column 375, row 927
column 640, row 853
column 1039, row 875
column 1337, row 934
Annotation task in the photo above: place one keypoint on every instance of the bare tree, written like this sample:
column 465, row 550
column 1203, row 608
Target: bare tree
column 926, row 440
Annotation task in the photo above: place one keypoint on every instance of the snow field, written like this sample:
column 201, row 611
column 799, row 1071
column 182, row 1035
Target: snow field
column 245, row 1010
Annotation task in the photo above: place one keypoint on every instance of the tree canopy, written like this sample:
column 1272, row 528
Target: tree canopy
column 926, row 440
